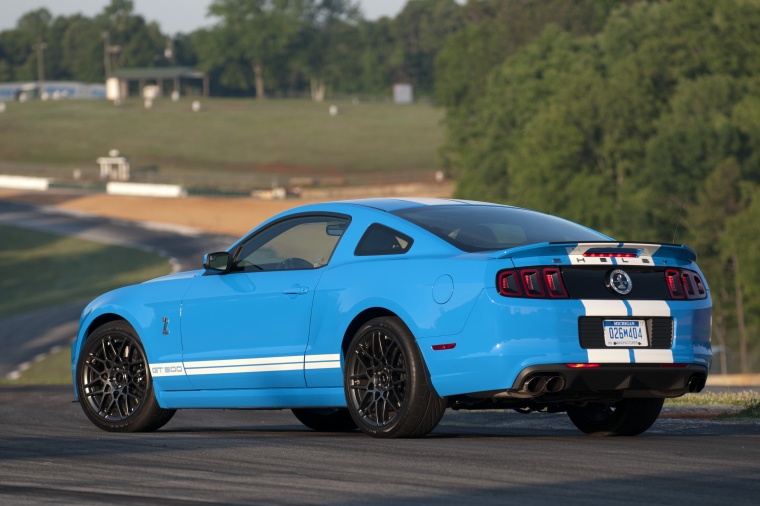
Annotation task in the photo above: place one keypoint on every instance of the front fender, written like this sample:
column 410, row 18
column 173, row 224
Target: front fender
column 153, row 309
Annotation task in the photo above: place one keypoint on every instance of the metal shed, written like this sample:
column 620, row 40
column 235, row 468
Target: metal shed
column 157, row 75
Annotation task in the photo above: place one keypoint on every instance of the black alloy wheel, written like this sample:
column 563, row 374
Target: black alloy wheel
column 386, row 384
column 114, row 384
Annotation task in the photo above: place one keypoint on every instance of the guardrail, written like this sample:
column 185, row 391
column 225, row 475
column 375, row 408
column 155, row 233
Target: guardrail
column 24, row 183
column 733, row 380
column 146, row 190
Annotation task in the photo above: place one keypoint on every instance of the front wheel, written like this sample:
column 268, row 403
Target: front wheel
column 627, row 417
column 386, row 384
column 114, row 385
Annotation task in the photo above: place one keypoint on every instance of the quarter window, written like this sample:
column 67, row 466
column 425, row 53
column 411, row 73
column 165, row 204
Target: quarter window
column 381, row 240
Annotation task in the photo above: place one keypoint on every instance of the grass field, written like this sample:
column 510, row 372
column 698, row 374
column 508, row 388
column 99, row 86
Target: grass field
column 39, row 270
column 269, row 138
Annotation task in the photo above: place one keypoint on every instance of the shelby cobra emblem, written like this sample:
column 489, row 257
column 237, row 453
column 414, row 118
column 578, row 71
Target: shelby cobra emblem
column 620, row 281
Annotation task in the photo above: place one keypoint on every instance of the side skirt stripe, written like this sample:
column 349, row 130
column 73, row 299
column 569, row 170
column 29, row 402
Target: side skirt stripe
column 247, row 365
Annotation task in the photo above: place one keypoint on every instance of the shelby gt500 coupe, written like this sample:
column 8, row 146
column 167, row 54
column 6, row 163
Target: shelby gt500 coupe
column 380, row 314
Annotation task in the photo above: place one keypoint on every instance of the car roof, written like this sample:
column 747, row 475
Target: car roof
column 396, row 204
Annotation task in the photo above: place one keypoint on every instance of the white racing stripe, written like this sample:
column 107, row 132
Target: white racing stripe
column 247, row 365
column 322, row 361
column 639, row 308
column 609, row 356
column 194, row 371
column 653, row 356
column 649, row 307
column 323, row 365
column 322, row 358
column 605, row 307
column 296, row 359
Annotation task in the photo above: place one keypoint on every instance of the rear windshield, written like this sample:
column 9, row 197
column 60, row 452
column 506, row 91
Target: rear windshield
column 489, row 228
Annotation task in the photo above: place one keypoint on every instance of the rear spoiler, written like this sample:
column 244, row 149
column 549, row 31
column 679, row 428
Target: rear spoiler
column 602, row 253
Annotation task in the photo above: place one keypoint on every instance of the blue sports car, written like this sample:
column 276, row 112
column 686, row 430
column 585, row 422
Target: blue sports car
column 380, row 314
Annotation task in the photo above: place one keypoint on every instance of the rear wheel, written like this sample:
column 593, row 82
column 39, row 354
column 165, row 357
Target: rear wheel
column 386, row 384
column 627, row 417
column 114, row 385
column 326, row 419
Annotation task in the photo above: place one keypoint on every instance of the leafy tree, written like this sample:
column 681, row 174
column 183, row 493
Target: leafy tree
column 82, row 50
column 32, row 28
column 741, row 248
column 378, row 72
column 650, row 118
column 325, row 52
column 420, row 30
column 494, row 31
column 252, row 38
column 134, row 42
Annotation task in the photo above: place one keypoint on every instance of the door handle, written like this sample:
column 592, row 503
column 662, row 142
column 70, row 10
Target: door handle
column 296, row 290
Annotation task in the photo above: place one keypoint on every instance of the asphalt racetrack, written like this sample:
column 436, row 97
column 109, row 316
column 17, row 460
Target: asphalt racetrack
column 50, row 453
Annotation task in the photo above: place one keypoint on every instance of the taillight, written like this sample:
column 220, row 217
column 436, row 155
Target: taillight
column 533, row 282
column 684, row 284
column 673, row 277
column 508, row 284
column 554, row 284
column 700, row 286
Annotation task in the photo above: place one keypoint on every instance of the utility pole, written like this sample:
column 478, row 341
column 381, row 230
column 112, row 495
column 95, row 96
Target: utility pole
column 40, row 48
column 107, row 53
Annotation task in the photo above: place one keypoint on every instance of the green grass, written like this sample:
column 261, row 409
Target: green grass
column 751, row 410
column 53, row 369
column 740, row 398
column 39, row 270
column 228, row 135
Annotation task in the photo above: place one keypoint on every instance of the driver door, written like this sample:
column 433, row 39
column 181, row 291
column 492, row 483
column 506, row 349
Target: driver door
column 248, row 327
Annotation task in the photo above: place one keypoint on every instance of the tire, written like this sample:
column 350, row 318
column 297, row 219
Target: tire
column 386, row 384
column 326, row 419
column 627, row 417
column 114, row 384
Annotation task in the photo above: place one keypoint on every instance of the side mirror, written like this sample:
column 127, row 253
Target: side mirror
column 217, row 261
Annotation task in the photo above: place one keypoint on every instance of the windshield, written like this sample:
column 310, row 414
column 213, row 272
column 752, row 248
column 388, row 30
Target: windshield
column 490, row 228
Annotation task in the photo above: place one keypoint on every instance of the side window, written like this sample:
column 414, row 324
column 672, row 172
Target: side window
column 381, row 240
column 304, row 242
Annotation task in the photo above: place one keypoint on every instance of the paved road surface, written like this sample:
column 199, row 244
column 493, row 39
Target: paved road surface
column 24, row 337
column 50, row 453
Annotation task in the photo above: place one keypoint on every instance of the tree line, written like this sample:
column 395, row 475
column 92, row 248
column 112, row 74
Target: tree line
column 638, row 118
column 641, row 120
column 253, row 48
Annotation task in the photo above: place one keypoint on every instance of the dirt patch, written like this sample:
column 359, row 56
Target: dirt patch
column 222, row 216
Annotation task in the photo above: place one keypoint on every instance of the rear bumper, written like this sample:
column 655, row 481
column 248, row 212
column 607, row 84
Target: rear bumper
column 637, row 380
column 502, row 339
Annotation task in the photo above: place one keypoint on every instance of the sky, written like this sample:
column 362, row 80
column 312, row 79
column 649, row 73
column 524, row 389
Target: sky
column 173, row 15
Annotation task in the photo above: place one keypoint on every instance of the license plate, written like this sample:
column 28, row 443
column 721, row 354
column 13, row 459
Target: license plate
column 625, row 333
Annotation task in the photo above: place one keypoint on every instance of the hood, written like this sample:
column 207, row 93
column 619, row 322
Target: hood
column 177, row 275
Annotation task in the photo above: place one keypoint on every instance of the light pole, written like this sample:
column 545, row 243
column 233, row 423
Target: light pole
column 40, row 48
column 106, row 53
